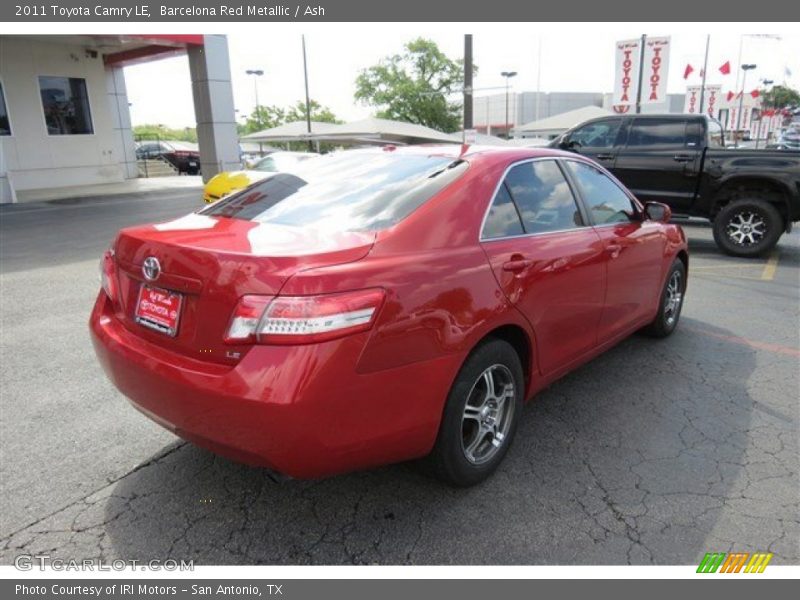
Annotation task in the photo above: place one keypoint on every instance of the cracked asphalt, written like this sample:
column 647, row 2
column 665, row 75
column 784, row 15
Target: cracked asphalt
column 654, row 453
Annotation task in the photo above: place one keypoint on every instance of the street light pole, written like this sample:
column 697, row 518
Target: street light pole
column 745, row 68
column 256, row 73
column 508, row 75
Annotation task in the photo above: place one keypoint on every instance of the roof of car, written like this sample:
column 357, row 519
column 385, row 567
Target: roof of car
column 466, row 151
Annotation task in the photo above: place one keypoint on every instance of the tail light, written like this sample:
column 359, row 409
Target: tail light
column 303, row 319
column 108, row 275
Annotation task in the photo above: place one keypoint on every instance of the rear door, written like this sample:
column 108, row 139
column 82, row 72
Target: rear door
column 547, row 260
column 660, row 160
column 597, row 139
column 634, row 249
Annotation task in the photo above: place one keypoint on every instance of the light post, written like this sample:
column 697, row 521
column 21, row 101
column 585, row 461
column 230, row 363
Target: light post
column 256, row 73
column 764, row 107
column 745, row 68
column 508, row 75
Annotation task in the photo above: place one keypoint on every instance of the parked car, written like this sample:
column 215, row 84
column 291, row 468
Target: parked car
column 228, row 182
column 184, row 156
column 750, row 196
column 382, row 305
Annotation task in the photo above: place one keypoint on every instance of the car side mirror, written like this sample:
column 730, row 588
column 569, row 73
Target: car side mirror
column 656, row 211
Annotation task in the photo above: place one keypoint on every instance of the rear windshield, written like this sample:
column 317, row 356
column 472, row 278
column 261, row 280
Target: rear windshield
column 343, row 191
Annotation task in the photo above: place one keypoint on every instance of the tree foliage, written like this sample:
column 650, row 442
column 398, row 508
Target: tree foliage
column 151, row 131
column 266, row 116
column 781, row 96
column 415, row 86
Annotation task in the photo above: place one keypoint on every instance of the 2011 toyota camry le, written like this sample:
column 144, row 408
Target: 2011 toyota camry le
column 375, row 306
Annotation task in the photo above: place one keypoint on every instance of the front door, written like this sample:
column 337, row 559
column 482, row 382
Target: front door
column 634, row 250
column 549, row 263
column 597, row 140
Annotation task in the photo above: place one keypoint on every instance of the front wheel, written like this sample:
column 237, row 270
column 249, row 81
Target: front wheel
column 747, row 227
column 669, row 309
column 480, row 416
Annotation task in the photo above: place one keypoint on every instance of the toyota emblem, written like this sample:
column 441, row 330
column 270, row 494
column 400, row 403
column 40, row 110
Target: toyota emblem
column 151, row 268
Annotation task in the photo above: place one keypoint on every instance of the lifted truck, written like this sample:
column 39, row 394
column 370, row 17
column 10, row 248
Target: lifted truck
column 750, row 196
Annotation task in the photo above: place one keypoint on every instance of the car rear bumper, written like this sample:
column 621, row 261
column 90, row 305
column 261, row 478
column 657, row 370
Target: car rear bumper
column 303, row 411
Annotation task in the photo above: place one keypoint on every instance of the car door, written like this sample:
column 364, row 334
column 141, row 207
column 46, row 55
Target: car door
column 660, row 160
column 596, row 139
column 634, row 249
column 547, row 260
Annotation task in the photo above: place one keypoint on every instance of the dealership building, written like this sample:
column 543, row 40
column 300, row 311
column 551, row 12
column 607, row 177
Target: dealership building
column 64, row 111
column 489, row 112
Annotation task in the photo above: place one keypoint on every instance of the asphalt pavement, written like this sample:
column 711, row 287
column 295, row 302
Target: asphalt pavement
column 654, row 453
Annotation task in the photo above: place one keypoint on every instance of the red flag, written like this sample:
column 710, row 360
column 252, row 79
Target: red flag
column 726, row 68
column 688, row 71
column 730, row 96
column 755, row 93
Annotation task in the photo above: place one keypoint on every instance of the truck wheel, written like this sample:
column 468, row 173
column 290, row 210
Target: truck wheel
column 747, row 227
column 480, row 416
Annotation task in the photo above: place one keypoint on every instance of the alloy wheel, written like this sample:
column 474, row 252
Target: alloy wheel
column 672, row 303
column 746, row 228
column 488, row 414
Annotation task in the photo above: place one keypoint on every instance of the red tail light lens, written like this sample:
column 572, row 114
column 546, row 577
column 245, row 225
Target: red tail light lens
column 304, row 319
column 108, row 275
column 244, row 323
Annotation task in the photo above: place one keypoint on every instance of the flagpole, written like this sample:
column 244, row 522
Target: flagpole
column 641, row 74
column 705, row 71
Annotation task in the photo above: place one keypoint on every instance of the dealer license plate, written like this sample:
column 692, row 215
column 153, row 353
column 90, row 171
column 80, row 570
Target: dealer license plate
column 159, row 309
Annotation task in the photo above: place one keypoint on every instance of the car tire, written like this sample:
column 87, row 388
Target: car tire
column 671, row 303
column 748, row 227
column 484, row 405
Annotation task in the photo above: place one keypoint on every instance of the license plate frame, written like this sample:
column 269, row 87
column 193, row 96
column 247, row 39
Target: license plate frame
column 154, row 319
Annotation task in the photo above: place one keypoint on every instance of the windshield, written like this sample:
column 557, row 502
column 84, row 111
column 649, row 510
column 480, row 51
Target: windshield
column 344, row 191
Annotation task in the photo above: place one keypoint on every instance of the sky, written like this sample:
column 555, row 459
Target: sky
column 574, row 57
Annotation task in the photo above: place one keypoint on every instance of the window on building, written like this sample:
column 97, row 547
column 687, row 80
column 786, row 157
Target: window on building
column 5, row 126
column 66, row 105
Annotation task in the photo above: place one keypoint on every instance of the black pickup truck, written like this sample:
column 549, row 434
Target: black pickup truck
column 750, row 196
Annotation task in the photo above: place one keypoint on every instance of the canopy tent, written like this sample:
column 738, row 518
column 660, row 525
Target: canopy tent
column 365, row 131
column 291, row 132
column 550, row 127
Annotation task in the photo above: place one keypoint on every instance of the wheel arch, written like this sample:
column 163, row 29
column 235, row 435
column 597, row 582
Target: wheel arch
column 768, row 189
column 519, row 339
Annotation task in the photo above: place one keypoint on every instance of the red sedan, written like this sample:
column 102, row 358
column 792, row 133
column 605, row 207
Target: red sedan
column 375, row 306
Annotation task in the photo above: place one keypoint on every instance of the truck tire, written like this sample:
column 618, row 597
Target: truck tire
column 747, row 227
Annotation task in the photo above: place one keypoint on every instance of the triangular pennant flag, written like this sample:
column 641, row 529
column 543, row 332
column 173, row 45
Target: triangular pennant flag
column 755, row 93
column 730, row 96
column 688, row 71
column 726, row 68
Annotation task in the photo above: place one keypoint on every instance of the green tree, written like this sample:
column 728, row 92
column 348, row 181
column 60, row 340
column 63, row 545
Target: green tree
column 263, row 117
column 415, row 86
column 157, row 131
column 319, row 113
column 781, row 96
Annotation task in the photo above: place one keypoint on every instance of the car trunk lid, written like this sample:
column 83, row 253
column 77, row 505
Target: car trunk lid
column 211, row 262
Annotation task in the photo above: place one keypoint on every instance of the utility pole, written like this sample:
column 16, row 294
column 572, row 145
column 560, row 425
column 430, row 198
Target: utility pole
column 641, row 74
column 508, row 75
column 705, row 69
column 745, row 69
column 467, row 85
column 256, row 73
column 308, row 100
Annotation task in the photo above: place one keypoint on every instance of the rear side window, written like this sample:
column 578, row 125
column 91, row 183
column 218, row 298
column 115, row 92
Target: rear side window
column 503, row 219
column 543, row 197
column 657, row 132
column 344, row 191
column 605, row 200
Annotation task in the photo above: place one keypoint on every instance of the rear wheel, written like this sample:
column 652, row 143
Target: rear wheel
column 669, row 309
column 747, row 227
column 481, row 415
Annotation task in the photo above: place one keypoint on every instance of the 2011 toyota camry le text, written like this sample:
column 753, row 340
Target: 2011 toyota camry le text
column 375, row 306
